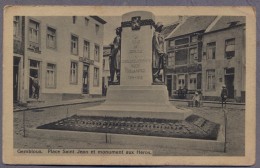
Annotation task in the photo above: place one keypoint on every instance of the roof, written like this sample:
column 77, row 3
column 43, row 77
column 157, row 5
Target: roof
column 168, row 29
column 228, row 21
column 99, row 19
column 193, row 24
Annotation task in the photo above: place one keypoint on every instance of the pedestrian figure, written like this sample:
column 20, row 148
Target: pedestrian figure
column 180, row 92
column 224, row 94
column 105, row 90
column 184, row 92
column 158, row 51
column 35, row 86
column 115, row 57
column 196, row 99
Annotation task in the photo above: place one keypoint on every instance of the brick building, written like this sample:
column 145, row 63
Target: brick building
column 205, row 53
column 184, row 46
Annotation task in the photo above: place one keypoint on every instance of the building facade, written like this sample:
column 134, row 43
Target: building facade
column 205, row 53
column 18, row 57
column 224, row 58
column 184, row 49
column 65, row 53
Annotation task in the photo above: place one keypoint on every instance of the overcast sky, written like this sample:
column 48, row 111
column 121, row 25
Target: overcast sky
column 115, row 21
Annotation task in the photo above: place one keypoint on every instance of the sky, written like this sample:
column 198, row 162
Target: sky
column 115, row 21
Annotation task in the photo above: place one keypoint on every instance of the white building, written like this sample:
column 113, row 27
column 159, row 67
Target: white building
column 64, row 52
column 224, row 58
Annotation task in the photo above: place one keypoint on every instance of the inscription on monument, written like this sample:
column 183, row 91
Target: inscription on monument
column 136, row 60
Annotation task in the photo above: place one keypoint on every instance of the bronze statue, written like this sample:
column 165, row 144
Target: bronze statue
column 115, row 57
column 158, row 51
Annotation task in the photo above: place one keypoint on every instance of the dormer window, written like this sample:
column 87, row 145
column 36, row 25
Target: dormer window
column 229, row 48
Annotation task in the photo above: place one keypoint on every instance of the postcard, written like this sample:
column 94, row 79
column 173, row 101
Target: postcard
column 129, row 85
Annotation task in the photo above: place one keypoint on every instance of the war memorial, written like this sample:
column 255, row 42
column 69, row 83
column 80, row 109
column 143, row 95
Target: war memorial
column 138, row 110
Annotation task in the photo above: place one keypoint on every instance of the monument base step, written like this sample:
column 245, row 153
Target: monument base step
column 137, row 101
column 136, row 110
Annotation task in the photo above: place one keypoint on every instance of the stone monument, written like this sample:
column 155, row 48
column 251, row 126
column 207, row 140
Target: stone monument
column 136, row 96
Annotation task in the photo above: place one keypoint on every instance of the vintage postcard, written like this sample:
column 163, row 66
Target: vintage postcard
column 132, row 85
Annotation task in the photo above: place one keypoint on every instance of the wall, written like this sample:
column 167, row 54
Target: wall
column 220, row 62
column 61, row 56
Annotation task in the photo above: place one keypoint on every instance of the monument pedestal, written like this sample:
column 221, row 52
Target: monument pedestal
column 136, row 96
column 137, row 101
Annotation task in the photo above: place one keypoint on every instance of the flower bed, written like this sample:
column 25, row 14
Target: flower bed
column 193, row 127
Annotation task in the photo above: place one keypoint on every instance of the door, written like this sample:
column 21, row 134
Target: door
column 229, row 81
column 34, row 76
column 85, row 82
column 169, row 84
column 16, row 79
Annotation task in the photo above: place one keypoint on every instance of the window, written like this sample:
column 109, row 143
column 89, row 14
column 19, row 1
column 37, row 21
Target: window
column 74, row 18
column 34, row 32
column 16, row 26
column 229, row 71
column 211, row 50
column 193, row 82
column 229, row 48
column 50, row 75
column 211, row 79
column 86, row 51
column 181, row 81
column 73, row 73
column 34, row 79
column 96, row 76
column 171, row 43
column 96, row 53
column 182, row 41
column 193, row 55
column 51, row 38
column 74, row 45
column 194, row 39
column 86, row 21
column 97, row 28
column 170, row 61
column 104, row 64
column 181, row 57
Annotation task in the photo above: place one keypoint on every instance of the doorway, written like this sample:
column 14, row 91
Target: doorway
column 169, row 85
column 34, row 76
column 229, row 81
column 85, row 82
column 16, row 79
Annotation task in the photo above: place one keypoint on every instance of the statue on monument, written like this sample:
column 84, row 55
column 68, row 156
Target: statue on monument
column 115, row 57
column 159, row 54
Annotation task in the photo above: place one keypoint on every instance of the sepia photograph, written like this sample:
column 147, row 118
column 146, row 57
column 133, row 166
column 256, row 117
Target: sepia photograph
column 140, row 86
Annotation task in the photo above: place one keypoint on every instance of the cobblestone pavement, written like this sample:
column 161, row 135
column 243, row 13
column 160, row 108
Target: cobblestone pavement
column 36, row 117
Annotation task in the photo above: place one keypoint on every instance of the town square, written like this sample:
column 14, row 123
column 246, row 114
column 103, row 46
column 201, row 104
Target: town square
column 135, row 84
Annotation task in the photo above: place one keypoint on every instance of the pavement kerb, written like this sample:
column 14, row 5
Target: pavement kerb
column 103, row 99
column 210, row 102
column 59, row 104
